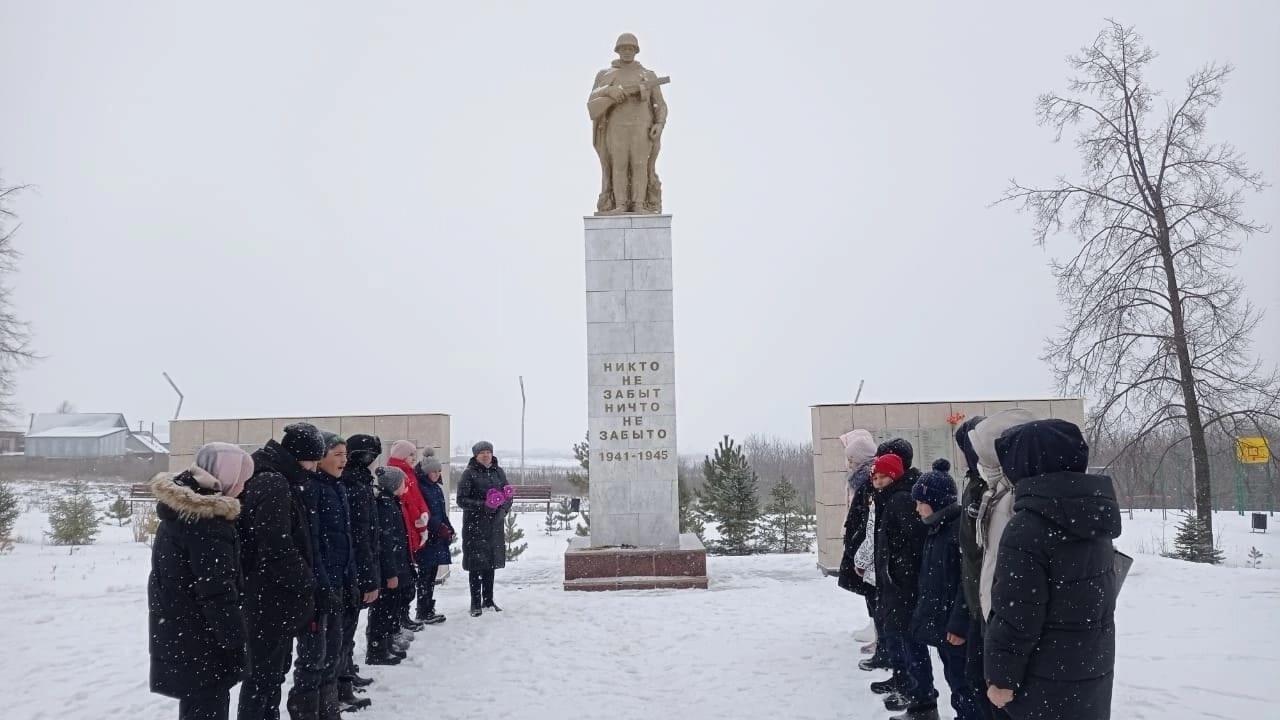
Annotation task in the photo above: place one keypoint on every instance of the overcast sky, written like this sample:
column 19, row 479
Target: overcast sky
column 326, row 208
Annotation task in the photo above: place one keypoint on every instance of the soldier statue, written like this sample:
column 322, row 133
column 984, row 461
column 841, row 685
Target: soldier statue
column 627, row 114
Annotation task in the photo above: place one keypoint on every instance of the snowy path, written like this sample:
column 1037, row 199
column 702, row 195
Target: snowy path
column 771, row 639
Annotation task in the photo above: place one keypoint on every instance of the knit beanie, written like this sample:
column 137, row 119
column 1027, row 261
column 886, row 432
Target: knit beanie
column 482, row 446
column 899, row 447
column 389, row 479
column 363, row 449
column 227, row 464
column 332, row 440
column 859, row 446
column 304, row 441
column 936, row 488
column 888, row 464
column 402, row 450
column 429, row 463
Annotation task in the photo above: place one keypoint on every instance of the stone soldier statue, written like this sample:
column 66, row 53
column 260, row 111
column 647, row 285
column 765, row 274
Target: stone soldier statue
column 627, row 114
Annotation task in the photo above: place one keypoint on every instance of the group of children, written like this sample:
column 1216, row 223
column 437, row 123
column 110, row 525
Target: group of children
column 291, row 543
column 1012, row 583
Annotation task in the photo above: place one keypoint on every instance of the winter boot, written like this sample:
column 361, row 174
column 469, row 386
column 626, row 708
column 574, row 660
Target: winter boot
column 347, row 700
column 379, row 653
column 887, row 687
column 874, row 663
column 432, row 618
column 403, row 637
column 303, row 705
column 329, row 707
column 924, row 711
column 475, row 608
column 408, row 623
column 491, row 605
column 357, row 680
column 869, row 648
column 895, row 702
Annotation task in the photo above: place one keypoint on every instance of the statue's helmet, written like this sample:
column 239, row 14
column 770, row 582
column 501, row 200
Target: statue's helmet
column 627, row 39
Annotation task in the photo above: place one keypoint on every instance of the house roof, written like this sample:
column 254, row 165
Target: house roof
column 42, row 422
column 147, row 443
column 74, row 431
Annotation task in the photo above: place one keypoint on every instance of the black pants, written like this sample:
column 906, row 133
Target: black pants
column 426, row 587
column 974, row 671
column 912, row 658
column 318, row 648
column 346, row 654
column 964, row 696
column 481, row 582
column 384, row 616
column 215, row 705
column 268, row 666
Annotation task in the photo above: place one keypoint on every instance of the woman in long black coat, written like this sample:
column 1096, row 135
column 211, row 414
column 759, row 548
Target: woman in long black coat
column 197, row 640
column 484, row 539
column 1051, row 642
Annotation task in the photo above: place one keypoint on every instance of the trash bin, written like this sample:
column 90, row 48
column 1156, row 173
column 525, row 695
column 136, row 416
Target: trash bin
column 1259, row 522
column 575, row 504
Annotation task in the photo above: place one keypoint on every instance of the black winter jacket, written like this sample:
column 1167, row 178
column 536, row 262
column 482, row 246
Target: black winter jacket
column 365, row 540
column 484, row 539
column 855, row 531
column 941, row 607
column 197, row 639
column 899, row 545
column 970, row 553
column 1051, row 637
column 393, row 539
column 331, row 530
column 275, row 545
column 440, row 531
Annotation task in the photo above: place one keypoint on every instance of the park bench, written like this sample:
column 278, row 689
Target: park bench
column 141, row 493
column 532, row 495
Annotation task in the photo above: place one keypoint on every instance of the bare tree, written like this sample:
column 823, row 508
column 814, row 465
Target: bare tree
column 66, row 407
column 14, row 338
column 1158, row 328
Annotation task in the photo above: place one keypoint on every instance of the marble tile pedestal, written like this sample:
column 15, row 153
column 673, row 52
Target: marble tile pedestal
column 635, row 540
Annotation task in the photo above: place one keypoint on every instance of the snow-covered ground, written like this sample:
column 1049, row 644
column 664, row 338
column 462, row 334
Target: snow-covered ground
column 770, row 639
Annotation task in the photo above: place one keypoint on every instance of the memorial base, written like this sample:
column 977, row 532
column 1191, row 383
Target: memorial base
column 624, row 568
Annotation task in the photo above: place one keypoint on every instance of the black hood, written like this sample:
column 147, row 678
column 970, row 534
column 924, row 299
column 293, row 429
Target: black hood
column 1084, row 506
column 900, row 447
column 274, row 458
column 966, row 445
column 1042, row 447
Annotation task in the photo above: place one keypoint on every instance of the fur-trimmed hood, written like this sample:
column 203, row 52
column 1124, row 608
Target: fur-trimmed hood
column 188, row 503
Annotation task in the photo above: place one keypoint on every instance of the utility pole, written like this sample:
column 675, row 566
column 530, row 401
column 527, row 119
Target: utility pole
column 523, row 403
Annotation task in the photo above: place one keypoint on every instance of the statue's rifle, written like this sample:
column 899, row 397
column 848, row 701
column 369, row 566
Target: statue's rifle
column 598, row 104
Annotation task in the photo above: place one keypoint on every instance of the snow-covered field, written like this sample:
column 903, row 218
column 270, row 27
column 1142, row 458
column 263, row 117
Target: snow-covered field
column 770, row 639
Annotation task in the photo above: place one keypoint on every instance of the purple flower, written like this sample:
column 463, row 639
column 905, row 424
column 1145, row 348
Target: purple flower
column 508, row 492
column 494, row 499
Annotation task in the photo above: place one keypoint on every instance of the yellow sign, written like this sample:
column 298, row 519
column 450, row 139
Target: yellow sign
column 1253, row 450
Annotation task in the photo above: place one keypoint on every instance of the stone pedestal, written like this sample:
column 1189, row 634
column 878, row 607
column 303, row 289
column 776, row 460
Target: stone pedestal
column 631, row 408
column 671, row 568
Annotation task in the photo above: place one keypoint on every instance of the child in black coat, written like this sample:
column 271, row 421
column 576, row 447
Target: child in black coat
column 941, row 619
column 396, row 569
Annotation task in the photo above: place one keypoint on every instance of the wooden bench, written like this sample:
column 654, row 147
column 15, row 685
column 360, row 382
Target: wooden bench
column 532, row 494
column 141, row 493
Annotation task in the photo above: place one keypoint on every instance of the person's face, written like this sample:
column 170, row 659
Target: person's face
column 924, row 510
column 485, row 457
column 434, row 476
column 335, row 460
column 627, row 53
column 881, row 481
column 309, row 465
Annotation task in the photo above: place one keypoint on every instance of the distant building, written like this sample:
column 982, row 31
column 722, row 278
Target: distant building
column 12, row 441
column 86, row 435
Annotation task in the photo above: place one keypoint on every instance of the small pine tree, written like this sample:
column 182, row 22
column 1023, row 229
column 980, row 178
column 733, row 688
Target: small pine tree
column 584, row 527
column 9, row 512
column 730, row 498
column 785, row 527
column 1194, row 542
column 120, row 511
column 1255, row 558
column 514, row 534
column 690, row 519
column 565, row 514
column 551, row 525
column 582, row 453
column 73, row 520
column 145, row 525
